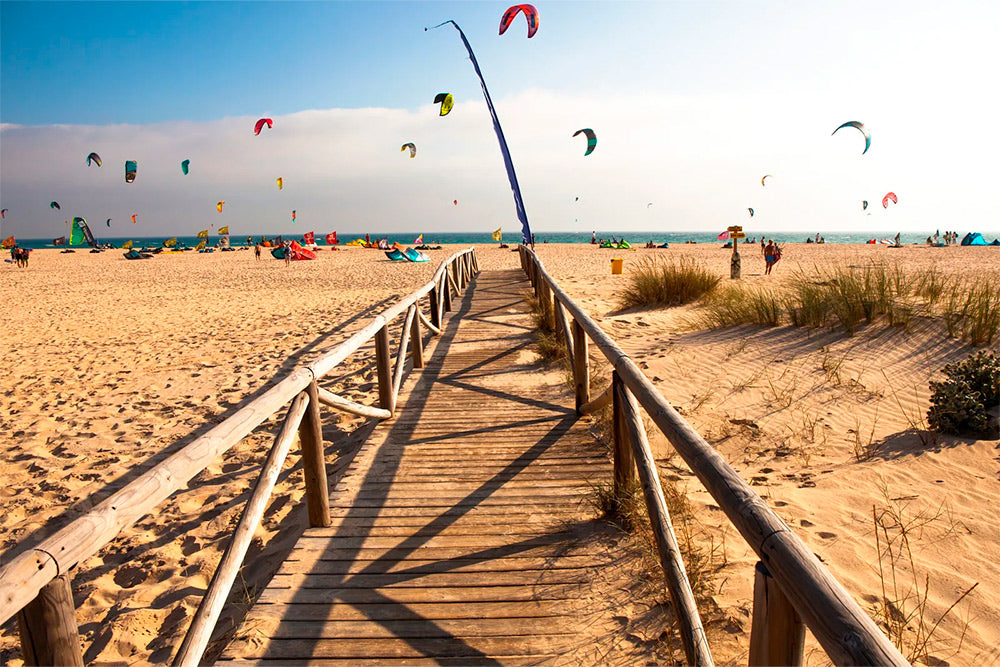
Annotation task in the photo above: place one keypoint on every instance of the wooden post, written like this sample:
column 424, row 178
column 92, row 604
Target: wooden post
column 384, row 368
column 777, row 635
column 624, row 464
column 435, row 313
column 447, row 292
column 415, row 342
column 314, row 461
column 581, row 366
column 47, row 626
column 459, row 267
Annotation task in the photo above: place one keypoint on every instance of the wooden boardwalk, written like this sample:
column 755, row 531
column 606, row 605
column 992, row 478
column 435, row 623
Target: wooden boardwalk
column 461, row 533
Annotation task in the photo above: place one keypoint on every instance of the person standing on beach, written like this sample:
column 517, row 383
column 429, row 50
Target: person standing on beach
column 593, row 237
column 288, row 253
column 769, row 256
column 256, row 251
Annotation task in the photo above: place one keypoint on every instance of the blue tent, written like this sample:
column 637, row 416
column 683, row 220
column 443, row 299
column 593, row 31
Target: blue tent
column 974, row 238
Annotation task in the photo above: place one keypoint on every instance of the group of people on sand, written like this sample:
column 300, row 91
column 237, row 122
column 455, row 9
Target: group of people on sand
column 20, row 256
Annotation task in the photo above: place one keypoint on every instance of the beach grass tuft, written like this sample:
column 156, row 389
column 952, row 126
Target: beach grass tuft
column 877, row 293
column 655, row 283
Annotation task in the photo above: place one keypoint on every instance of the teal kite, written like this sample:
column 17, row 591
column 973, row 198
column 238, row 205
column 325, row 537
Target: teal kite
column 591, row 139
column 860, row 127
column 184, row 166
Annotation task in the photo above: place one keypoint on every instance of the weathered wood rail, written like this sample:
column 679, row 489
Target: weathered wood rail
column 791, row 586
column 36, row 584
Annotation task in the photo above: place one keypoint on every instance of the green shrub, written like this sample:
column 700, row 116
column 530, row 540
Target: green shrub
column 959, row 403
column 667, row 284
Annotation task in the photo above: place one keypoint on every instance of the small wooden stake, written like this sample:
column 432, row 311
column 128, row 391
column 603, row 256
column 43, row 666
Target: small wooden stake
column 384, row 368
column 415, row 342
column 447, row 292
column 777, row 635
column 624, row 464
column 581, row 366
column 435, row 312
column 47, row 626
column 314, row 461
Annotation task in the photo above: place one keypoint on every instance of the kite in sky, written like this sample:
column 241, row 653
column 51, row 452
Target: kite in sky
column 95, row 158
column 131, row 166
column 281, row 183
column 591, row 139
column 218, row 205
column 762, row 180
column 861, row 128
column 751, row 212
column 530, row 15
column 889, row 197
column 133, row 217
column 259, row 125
column 412, row 147
column 108, row 222
column 293, row 215
column 184, row 167
column 54, row 205
column 3, row 213
column 446, row 101
column 864, row 204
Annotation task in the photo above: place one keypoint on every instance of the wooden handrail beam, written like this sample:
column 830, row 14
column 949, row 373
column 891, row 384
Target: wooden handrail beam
column 198, row 635
column 404, row 340
column 693, row 637
column 327, row 397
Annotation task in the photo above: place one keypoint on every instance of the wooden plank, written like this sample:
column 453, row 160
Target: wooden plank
column 535, row 549
column 466, row 628
column 317, row 565
column 432, row 611
column 456, row 580
column 567, row 593
column 407, row 648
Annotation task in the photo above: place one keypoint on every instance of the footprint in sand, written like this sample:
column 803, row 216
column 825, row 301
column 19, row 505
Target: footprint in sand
column 128, row 576
column 826, row 536
column 806, row 523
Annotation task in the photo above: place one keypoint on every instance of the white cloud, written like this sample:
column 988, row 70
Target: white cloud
column 698, row 159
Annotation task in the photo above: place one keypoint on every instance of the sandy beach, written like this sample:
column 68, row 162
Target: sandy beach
column 108, row 363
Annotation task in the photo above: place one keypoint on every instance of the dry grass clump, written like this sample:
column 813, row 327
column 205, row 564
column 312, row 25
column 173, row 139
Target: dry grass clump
column 902, row 610
column 736, row 304
column 551, row 346
column 666, row 284
column 877, row 293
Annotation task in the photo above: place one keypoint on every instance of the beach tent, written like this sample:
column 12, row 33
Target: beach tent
column 995, row 242
column 974, row 238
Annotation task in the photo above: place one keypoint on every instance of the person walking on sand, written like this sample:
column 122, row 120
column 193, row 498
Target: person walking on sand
column 256, row 251
column 593, row 238
column 769, row 256
column 288, row 253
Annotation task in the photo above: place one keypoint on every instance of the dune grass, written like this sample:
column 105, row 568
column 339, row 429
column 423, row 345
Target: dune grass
column 666, row 284
column 880, row 294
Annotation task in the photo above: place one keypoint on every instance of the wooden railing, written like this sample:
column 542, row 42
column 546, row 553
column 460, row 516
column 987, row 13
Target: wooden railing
column 791, row 585
column 36, row 584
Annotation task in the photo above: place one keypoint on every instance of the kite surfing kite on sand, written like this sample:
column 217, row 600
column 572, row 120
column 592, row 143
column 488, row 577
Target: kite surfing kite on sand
column 531, row 15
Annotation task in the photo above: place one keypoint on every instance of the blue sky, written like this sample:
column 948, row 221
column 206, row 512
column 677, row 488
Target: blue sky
column 692, row 103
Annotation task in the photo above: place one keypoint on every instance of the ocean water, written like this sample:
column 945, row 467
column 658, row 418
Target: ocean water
column 432, row 238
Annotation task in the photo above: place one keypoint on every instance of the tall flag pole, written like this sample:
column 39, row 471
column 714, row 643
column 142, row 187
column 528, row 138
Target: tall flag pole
column 508, row 163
